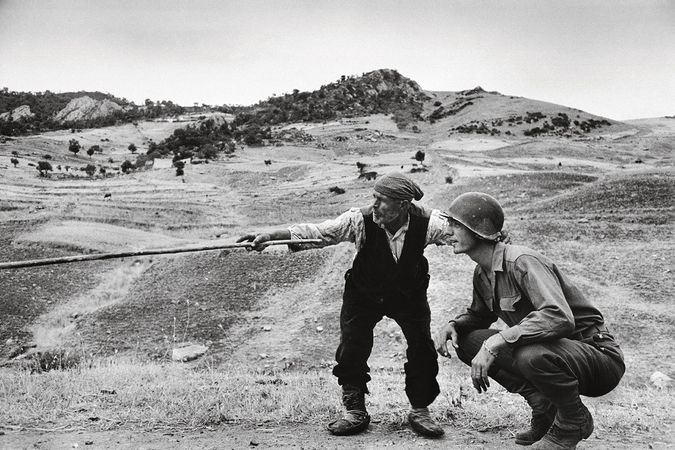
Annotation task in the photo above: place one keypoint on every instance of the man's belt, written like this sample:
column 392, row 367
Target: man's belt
column 590, row 331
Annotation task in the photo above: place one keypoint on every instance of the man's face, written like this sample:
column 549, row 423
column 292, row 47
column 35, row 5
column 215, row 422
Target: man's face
column 385, row 209
column 463, row 240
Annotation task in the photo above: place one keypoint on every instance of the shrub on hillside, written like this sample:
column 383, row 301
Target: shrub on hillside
column 74, row 146
column 44, row 168
column 180, row 168
column 126, row 166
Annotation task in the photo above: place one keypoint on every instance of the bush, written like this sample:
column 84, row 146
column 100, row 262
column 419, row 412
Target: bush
column 74, row 146
column 54, row 360
column 44, row 167
column 180, row 166
column 90, row 170
column 126, row 166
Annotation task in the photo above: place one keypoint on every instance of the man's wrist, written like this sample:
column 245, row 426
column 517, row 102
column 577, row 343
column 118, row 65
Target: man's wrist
column 496, row 342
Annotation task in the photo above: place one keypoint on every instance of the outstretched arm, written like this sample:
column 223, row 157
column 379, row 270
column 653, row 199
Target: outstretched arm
column 258, row 240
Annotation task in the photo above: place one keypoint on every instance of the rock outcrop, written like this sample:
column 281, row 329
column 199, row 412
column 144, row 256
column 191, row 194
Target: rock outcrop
column 188, row 352
column 86, row 108
column 17, row 113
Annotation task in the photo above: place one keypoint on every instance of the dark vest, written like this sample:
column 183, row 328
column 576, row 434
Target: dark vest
column 376, row 274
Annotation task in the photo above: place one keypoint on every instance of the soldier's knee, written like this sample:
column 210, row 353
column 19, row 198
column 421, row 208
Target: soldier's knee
column 528, row 357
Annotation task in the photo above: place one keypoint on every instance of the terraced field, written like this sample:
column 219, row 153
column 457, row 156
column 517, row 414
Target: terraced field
column 606, row 219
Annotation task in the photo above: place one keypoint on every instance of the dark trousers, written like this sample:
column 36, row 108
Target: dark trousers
column 358, row 318
column 559, row 369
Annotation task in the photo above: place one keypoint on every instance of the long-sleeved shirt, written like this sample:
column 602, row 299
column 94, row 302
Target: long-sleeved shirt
column 350, row 227
column 528, row 292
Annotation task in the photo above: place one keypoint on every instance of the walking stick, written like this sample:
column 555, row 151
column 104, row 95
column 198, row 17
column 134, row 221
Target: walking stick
column 158, row 251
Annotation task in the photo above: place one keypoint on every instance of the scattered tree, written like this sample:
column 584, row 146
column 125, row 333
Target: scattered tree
column 15, row 153
column 132, row 148
column 14, row 161
column 419, row 156
column 74, row 146
column 44, row 167
column 126, row 166
column 90, row 170
column 179, row 165
column 94, row 149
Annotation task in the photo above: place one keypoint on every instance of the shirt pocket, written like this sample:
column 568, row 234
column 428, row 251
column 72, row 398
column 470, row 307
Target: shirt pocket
column 508, row 302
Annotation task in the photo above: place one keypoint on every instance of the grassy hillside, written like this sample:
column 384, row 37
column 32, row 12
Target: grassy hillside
column 87, row 346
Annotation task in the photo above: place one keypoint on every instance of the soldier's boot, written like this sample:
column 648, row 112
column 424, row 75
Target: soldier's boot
column 543, row 414
column 356, row 418
column 543, row 410
column 573, row 423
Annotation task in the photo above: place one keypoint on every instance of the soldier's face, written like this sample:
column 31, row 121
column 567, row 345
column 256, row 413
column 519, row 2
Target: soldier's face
column 385, row 209
column 463, row 240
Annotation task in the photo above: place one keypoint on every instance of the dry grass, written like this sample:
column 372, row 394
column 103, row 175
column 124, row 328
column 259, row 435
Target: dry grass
column 130, row 394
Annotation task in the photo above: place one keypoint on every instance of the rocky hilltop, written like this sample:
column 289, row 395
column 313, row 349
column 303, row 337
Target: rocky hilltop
column 383, row 91
column 21, row 112
column 86, row 108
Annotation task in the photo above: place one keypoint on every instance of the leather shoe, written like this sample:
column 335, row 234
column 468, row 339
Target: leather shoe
column 353, row 422
column 423, row 424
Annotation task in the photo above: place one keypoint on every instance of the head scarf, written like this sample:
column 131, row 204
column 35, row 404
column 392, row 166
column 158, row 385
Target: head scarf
column 399, row 187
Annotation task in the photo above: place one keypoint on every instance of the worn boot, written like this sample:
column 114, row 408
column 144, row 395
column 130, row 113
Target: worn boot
column 573, row 423
column 543, row 411
column 355, row 418
column 543, row 414
column 423, row 424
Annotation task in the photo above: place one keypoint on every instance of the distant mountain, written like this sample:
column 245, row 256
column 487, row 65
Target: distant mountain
column 477, row 111
column 28, row 112
column 383, row 91
column 47, row 104
column 86, row 108
column 18, row 113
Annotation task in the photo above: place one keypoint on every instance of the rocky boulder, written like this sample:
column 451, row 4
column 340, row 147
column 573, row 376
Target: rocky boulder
column 188, row 352
column 86, row 108
column 17, row 113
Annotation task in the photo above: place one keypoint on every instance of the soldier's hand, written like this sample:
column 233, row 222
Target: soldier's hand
column 441, row 338
column 480, row 365
column 257, row 241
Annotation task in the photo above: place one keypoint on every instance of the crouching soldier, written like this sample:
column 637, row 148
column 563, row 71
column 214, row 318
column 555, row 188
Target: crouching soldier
column 389, row 276
column 556, row 346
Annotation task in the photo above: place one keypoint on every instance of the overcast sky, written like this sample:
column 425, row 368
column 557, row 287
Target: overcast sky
column 615, row 58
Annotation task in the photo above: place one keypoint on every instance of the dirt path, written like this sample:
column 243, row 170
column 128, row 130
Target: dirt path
column 307, row 436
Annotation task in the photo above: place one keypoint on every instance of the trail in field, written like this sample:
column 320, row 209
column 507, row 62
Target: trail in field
column 298, row 435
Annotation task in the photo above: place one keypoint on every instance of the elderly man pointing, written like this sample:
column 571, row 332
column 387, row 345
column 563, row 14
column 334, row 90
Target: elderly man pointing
column 389, row 277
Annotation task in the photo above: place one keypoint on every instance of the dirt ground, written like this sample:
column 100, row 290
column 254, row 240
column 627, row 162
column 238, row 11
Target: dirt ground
column 585, row 202
column 288, row 436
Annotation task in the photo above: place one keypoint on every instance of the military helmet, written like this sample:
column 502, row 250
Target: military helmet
column 480, row 213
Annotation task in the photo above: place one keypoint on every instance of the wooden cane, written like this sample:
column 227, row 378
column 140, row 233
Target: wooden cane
column 159, row 251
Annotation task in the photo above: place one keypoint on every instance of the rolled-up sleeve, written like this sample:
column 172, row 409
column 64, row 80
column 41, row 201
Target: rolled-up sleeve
column 552, row 316
column 347, row 227
column 438, row 231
